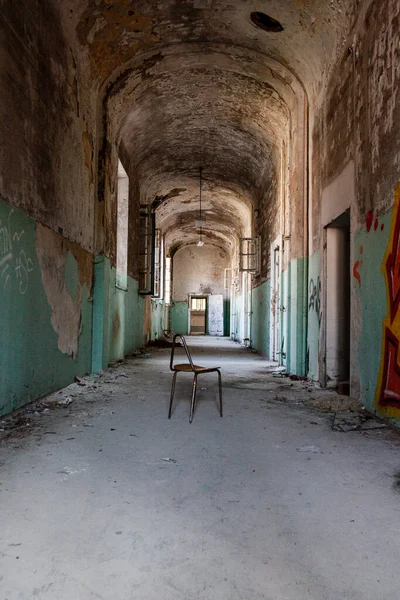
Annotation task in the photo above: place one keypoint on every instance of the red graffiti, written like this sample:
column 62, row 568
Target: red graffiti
column 368, row 220
column 356, row 274
column 390, row 389
column 393, row 271
column 382, row 227
column 361, row 249
column 376, row 223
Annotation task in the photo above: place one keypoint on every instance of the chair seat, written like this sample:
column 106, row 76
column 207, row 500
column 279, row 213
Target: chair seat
column 196, row 368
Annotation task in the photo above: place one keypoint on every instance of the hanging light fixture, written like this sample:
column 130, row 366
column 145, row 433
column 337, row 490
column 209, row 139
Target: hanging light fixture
column 200, row 242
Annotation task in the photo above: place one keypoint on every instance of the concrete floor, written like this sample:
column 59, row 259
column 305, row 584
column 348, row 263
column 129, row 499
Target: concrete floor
column 107, row 498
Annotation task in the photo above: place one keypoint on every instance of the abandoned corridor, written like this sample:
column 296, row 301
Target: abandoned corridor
column 230, row 169
column 107, row 498
column 198, row 166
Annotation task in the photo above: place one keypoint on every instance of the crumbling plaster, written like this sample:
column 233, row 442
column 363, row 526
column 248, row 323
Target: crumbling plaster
column 52, row 252
column 47, row 166
column 358, row 120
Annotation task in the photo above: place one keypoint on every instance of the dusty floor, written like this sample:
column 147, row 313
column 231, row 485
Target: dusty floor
column 103, row 497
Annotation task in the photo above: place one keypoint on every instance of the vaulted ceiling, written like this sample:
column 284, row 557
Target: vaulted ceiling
column 206, row 83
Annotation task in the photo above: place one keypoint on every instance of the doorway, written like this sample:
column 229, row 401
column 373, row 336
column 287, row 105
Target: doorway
column 198, row 315
column 337, row 299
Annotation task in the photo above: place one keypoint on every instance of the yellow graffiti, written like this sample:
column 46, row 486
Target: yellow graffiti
column 387, row 398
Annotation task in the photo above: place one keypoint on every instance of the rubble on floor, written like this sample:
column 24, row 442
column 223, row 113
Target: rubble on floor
column 329, row 401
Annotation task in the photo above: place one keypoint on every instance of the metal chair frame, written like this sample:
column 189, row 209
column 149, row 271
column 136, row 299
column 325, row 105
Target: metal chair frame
column 190, row 368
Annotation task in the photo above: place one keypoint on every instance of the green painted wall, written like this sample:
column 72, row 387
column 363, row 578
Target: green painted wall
column 260, row 333
column 118, row 316
column 126, row 318
column 179, row 317
column 31, row 365
column 371, row 291
column 298, row 307
column 314, row 300
column 285, row 329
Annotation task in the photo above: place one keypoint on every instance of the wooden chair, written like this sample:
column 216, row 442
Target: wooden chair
column 190, row 368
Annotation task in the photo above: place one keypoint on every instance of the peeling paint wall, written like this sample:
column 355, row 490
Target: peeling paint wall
column 119, row 316
column 41, row 274
column 56, row 259
column 310, row 115
column 47, row 169
column 47, row 186
column 356, row 166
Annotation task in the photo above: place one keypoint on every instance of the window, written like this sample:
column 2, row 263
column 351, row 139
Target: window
column 250, row 255
column 167, row 296
column 122, row 227
column 158, row 264
column 199, row 304
column 146, row 249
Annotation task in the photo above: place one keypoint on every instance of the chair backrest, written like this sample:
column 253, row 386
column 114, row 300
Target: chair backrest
column 184, row 344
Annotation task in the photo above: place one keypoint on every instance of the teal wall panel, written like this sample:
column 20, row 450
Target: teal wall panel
column 260, row 325
column 285, row 328
column 126, row 318
column 31, row 364
column 371, row 290
column 314, row 307
column 157, row 312
column 118, row 316
column 227, row 317
column 179, row 317
column 298, row 317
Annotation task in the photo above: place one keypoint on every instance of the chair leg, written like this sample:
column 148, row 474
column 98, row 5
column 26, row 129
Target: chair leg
column 193, row 398
column 220, row 392
column 172, row 393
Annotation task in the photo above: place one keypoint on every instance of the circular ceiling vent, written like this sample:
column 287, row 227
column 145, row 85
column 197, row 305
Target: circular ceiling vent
column 266, row 22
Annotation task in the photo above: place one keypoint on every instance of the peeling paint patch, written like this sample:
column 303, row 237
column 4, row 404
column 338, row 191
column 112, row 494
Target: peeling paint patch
column 52, row 251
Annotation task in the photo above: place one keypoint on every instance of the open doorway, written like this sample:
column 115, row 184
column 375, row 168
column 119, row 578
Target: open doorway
column 337, row 279
column 198, row 315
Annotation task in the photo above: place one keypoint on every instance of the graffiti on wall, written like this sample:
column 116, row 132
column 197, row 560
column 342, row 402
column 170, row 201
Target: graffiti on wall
column 371, row 223
column 15, row 264
column 388, row 389
column 314, row 302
